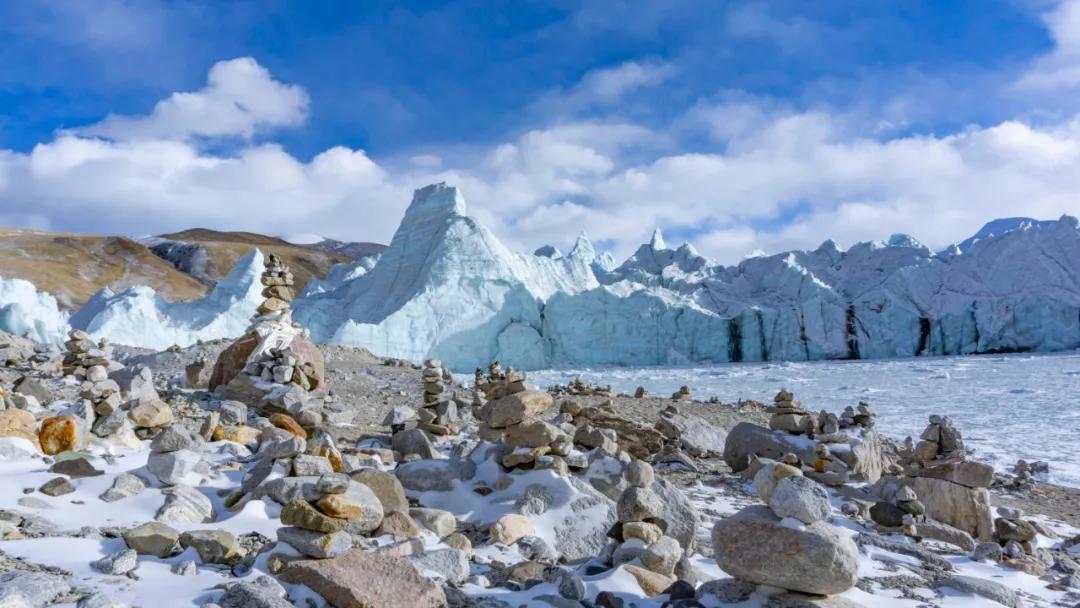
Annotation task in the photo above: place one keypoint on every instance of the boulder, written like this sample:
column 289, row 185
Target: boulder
column 213, row 546
column 677, row 512
column 359, row 579
column 172, row 468
column 800, row 498
column 753, row 545
column 969, row 473
column 232, row 360
column 863, row 455
column 19, row 423
column 150, row 413
column 186, row 505
column 449, row 564
column 697, row 436
column 316, row 544
column 19, row 589
column 513, row 409
column 958, row 506
column 511, row 527
column 153, row 538
column 61, row 434
column 358, row 504
column 386, row 487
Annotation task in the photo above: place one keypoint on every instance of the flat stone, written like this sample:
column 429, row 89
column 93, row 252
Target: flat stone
column 358, row 504
column 57, row 487
column 124, row 485
column 366, row 580
column 185, row 504
column 299, row 512
column 213, row 546
column 513, row 409
column 450, row 564
column 316, row 544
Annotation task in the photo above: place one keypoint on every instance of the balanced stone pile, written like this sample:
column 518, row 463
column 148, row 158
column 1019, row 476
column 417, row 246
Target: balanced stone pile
column 439, row 414
column 515, row 417
column 683, row 394
column 951, row 487
column 818, row 558
column 580, row 388
column 789, row 416
column 640, row 532
column 86, row 359
column 326, row 512
column 274, row 363
column 1017, row 538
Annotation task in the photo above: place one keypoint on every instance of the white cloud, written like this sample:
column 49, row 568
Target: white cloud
column 239, row 98
column 1060, row 69
column 774, row 177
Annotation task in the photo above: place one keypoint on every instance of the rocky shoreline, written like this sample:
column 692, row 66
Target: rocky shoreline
column 328, row 476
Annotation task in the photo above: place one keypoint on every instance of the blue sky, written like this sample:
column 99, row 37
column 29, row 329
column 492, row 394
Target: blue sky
column 739, row 126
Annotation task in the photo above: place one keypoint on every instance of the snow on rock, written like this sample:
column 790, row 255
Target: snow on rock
column 25, row 311
column 138, row 317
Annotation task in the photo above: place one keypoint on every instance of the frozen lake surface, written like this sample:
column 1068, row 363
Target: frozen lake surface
column 1008, row 407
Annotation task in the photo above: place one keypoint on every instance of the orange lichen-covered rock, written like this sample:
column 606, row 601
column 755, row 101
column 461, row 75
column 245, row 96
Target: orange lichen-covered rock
column 285, row 421
column 61, row 434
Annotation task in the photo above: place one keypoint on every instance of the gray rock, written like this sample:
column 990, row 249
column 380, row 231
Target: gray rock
column 37, row 589
column 754, row 546
column 233, row 413
column 174, row 438
column 185, row 504
column 110, row 423
column 213, row 546
column 124, row 486
column 582, row 533
column 639, row 474
column 428, row 475
column 571, row 586
column 678, row 513
column 332, row 483
column 662, row 556
column 136, row 382
column 283, row 447
column 153, row 538
column 173, row 467
column 697, row 436
column 985, row 588
column 316, row 544
column 57, row 487
column 988, row 552
column 306, row 464
column 283, row 489
column 263, row 592
column 746, row 439
column 118, row 563
column 441, row 522
column 450, row 564
column 188, row 567
column 536, row 549
column 414, row 442
column 638, row 504
column 801, row 498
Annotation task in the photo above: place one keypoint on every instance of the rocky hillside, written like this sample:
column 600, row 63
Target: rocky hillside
column 207, row 255
column 74, row 266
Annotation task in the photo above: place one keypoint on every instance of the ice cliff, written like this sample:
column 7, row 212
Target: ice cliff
column 138, row 317
column 447, row 288
column 24, row 311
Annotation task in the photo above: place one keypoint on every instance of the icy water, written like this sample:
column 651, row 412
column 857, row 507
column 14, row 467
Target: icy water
column 1008, row 407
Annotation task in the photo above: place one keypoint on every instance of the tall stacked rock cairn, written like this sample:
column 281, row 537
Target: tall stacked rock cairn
column 514, row 416
column 818, row 558
column 274, row 367
column 439, row 414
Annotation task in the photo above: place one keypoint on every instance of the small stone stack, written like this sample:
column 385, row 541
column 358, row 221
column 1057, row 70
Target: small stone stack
column 828, row 469
column 439, row 414
column 952, row 487
column 1010, row 527
column 277, row 282
column 746, row 545
column 198, row 371
column 175, row 453
column 905, row 509
column 789, row 416
column 640, row 531
column 514, row 417
column 683, row 394
column 86, row 359
column 324, row 527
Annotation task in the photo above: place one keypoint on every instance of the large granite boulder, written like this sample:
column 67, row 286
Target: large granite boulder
column 363, row 579
column 959, row 506
column 754, row 545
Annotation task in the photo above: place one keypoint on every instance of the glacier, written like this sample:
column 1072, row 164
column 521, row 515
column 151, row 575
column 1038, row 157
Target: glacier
column 447, row 288
column 27, row 312
column 139, row 317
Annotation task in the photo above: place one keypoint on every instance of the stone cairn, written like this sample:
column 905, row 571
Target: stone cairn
column 580, row 388
column 683, row 394
column 439, row 413
column 513, row 415
column 789, row 416
column 937, row 488
column 796, row 514
column 640, row 531
column 274, row 366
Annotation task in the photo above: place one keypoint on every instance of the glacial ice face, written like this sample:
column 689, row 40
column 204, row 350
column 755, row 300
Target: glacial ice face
column 138, row 317
column 24, row 311
column 446, row 288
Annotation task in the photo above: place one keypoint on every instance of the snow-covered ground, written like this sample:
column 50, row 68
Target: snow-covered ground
column 1008, row 407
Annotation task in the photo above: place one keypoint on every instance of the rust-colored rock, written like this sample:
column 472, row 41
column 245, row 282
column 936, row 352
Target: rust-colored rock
column 59, row 434
column 241, row 434
column 285, row 421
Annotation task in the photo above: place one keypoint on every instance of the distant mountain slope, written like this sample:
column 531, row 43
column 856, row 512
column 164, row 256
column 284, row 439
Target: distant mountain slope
column 208, row 255
column 72, row 267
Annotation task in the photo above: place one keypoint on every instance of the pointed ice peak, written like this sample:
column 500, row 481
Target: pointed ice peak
column 828, row 245
column 689, row 249
column 903, row 240
column 439, row 195
column 583, row 248
column 657, row 240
